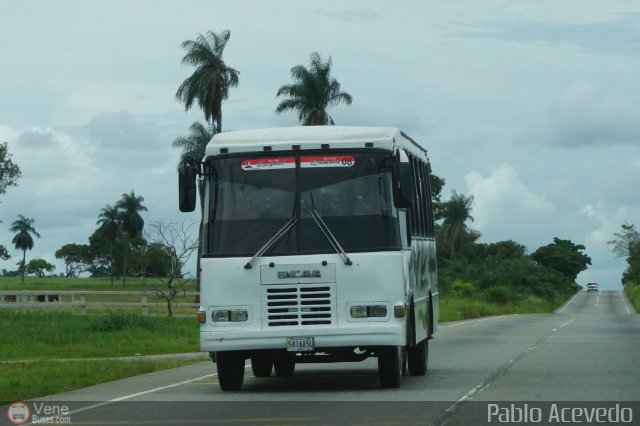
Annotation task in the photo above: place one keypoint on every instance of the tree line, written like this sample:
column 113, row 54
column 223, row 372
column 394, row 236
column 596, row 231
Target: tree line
column 626, row 245
column 502, row 272
column 118, row 247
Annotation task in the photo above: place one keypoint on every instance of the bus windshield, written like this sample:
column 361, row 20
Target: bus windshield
column 253, row 196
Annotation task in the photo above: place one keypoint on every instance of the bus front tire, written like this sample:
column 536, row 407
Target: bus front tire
column 284, row 366
column 261, row 365
column 418, row 358
column 391, row 365
column 230, row 367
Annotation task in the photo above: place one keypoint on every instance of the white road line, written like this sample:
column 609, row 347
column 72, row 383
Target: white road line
column 597, row 300
column 470, row 322
column 133, row 395
column 562, row 325
column 624, row 302
column 567, row 304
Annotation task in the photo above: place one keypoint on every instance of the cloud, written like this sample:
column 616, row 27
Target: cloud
column 69, row 174
column 7, row 133
column 354, row 15
column 503, row 207
column 584, row 114
column 615, row 35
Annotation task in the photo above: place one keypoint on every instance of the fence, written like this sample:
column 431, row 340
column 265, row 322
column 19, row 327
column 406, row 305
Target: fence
column 81, row 300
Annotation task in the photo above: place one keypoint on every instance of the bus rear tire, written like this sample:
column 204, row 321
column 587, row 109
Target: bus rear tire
column 284, row 365
column 230, row 367
column 261, row 365
column 418, row 358
column 391, row 365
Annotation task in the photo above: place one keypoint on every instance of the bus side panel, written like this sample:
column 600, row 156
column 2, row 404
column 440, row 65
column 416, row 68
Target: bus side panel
column 432, row 277
column 418, row 266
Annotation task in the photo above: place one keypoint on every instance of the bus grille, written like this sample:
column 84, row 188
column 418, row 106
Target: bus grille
column 300, row 304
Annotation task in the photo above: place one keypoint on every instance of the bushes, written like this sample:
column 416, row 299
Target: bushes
column 500, row 294
column 460, row 288
column 633, row 293
column 503, row 281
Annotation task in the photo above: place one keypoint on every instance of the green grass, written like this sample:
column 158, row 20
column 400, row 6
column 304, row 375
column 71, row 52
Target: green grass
column 456, row 308
column 47, row 335
column 40, row 337
column 23, row 381
column 633, row 293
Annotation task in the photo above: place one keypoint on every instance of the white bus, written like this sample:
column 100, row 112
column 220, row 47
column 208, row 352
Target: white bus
column 317, row 246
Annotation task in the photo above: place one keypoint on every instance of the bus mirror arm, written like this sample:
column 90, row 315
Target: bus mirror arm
column 187, row 172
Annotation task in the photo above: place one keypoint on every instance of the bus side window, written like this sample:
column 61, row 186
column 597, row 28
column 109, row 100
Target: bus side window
column 419, row 230
column 432, row 220
column 426, row 199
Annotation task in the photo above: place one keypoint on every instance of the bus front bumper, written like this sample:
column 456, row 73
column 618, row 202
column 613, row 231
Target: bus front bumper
column 212, row 341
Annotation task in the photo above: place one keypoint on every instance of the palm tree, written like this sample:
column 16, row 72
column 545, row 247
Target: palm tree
column 313, row 91
column 23, row 227
column 210, row 82
column 193, row 148
column 109, row 221
column 456, row 212
column 129, row 208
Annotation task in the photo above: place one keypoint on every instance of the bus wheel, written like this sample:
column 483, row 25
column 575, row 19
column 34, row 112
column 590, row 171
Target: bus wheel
column 284, row 365
column 230, row 366
column 261, row 365
column 417, row 358
column 391, row 363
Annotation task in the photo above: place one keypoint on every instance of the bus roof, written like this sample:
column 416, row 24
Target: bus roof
column 308, row 137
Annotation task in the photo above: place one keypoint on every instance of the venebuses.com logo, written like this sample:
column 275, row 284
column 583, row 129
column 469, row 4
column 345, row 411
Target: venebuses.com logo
column 20, row 413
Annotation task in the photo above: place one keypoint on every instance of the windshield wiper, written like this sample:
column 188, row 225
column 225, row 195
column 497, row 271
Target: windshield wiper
column 332, row 239
column 272, row 241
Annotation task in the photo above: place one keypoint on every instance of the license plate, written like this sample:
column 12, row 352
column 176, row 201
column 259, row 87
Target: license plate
column 300, row 344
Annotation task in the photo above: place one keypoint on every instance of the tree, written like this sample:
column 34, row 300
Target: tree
column 76, row 259
column 456, row 212
column 4, row 254
column 178, row 244
column 627, row 244
column 437, row 183
column 564, row 257
column 129, row 208
column 194, row 145
column 109, row 221
column 210, row 82
column 626, row 241
column 38, row 267
column 22, row 240
column 9, row 171
column 313, row 91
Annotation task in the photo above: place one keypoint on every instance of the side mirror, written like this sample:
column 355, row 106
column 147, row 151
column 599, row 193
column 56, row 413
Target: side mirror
column 402, row 184
column 187, row 186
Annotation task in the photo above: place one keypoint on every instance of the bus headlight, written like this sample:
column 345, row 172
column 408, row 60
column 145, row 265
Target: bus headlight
column 236, row 315
column 368, row 311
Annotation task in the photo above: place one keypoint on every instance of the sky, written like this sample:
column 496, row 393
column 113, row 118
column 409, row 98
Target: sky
column 531, row 107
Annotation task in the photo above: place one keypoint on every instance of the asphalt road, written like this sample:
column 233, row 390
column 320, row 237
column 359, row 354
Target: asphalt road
column 585, row 354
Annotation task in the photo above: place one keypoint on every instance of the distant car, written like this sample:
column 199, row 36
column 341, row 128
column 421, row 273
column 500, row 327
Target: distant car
column 592, row 287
